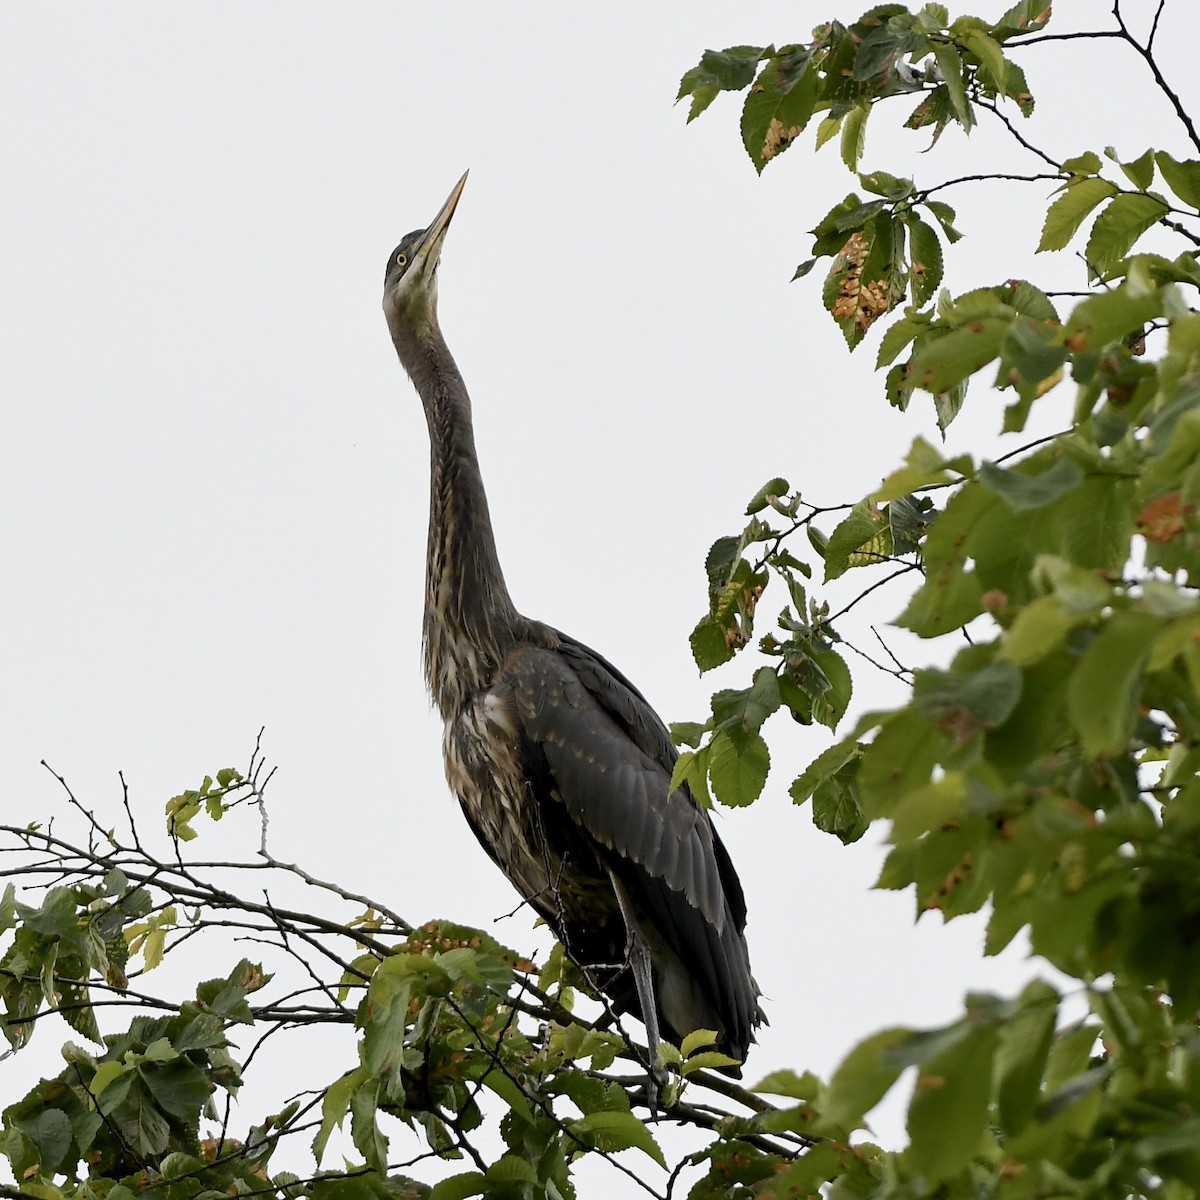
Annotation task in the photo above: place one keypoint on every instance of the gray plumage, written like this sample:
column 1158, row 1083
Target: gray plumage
column 560, row 765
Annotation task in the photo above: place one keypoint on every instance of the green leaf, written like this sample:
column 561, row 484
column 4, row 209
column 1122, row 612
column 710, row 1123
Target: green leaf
column 924, row 465
column 950, row 360
column 1183, row 178
column 745, row 710
column 899, row 334
column 862, row 537
column 142, row 1124
column 786, row 1082
column 1024, row 17
column 863, row 1078
column 614, row 1131
column 1103, row 694
column 925, row 256
column 899, row 760
column 178, row 1164
column 1031, row 361
column 721, row 70
column 106, row 1074
column 8, row 908
column 1098, row 521
column 1023, row 1053
column 334, row 1107
column 691, row 768
column 807, row 1174
column 687, row 733
column 1140, row 172
column 512, row 1169
column 837, row 808
column 948, row 404
column 854, row 134
column 878, row 52
column 949, row 598
column 779, row 105
column 1087, row 163
column 928, row 808
column 934, row 109
column 829, row 706
column 966, row 703
column 694, row 1040
column 948, row 1114
column 1122, row 222
column 891, row 187
column 772, row 489
column 827, row 764
column 710, row 646
column 826, row 129
column 459, row 1187
column 56, row 916
column 990, row 56
column 510, row 1092
column 160, row 1050
column 945, row 218
column 1096, row 322
column 1071, row 208
column 51, row 1133
column 179, row 1087
column 851, row 214
column 952, row 69
column 738, row 767
column 1039, row 628
column 1023, row 492
column 364, row 1128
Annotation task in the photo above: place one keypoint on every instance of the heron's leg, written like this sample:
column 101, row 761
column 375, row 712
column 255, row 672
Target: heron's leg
column 637, row 952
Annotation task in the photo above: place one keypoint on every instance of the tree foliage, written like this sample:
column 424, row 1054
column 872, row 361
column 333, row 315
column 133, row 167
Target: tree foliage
column 1045, row 772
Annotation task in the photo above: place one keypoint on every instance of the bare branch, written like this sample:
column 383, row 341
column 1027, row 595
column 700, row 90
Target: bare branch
column 1145, row 52
column 992, row 107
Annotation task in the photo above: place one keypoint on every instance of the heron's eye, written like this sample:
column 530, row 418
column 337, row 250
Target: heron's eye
column 402, row 259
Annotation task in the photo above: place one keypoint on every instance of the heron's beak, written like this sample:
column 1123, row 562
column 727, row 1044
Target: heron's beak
column 430, row 250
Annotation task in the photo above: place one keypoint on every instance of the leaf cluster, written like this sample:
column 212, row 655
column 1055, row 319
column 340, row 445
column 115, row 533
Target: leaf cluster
column 453, row 1033
column 1047, row 771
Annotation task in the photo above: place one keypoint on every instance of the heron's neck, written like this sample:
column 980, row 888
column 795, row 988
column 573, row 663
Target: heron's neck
column 470, row 621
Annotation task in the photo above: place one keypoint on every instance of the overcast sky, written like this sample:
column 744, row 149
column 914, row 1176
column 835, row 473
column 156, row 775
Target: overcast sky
column 214, row 476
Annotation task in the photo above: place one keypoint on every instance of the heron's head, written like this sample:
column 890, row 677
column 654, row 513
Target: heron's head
column 410, row 281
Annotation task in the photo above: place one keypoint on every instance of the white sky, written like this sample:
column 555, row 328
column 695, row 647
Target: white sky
column 214, row 474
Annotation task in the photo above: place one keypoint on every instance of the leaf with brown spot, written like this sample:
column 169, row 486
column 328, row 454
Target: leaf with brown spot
column 864, row 281
column 1163, row 519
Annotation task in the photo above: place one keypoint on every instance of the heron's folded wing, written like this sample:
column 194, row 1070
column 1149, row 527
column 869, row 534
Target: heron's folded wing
column 575, row 718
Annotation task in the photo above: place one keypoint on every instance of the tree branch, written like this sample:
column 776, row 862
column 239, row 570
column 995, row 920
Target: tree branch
column 1147, row 55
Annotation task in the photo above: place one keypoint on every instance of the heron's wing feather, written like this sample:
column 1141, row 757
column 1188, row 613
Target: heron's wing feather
column 618, row 695
column 593, row 740
column 630, row 709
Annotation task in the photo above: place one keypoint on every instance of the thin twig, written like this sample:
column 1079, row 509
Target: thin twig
column 1146, row 54
column 1002, row 117
column 1056, row 177
column 906, row 569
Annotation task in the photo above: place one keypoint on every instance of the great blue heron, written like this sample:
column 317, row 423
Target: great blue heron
column 560, row 765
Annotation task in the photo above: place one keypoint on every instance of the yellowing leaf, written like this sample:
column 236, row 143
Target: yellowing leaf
column 106, row 1074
